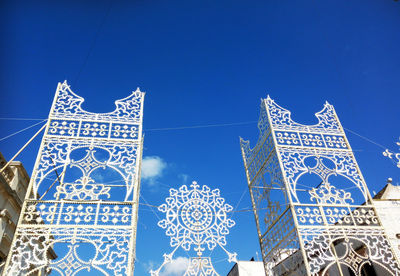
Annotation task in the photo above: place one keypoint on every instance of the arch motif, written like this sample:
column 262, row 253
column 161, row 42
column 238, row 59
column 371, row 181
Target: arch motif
column 35, row 247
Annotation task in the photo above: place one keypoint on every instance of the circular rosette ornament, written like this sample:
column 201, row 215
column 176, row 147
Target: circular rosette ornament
column 196, row 216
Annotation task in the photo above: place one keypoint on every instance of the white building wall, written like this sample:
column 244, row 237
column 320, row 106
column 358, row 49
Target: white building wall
column 247, row 268
column 387, row 205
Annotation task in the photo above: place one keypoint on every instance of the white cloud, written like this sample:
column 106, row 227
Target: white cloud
column 177, row 267
column 183, row 177
column 150, row 265
column 152, row 168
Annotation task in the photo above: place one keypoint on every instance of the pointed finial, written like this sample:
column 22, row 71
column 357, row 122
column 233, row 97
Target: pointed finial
column 269, row 99
column 65, row 84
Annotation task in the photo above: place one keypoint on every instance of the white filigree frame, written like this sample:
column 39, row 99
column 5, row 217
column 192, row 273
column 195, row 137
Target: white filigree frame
column 196, row 218
column 71, row 200
column 282, row 155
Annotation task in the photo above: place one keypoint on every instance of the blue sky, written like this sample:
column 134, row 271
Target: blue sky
column 204, row 63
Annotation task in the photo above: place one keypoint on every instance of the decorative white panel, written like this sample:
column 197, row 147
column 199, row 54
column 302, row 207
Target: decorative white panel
column 313, row 210
column 196, row 219
column 80, row 212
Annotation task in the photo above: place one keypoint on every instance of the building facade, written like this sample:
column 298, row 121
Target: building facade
column 13, row 185
column 14, row 181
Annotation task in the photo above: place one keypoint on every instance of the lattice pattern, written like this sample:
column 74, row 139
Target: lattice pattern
column 80, row 213
column 306, row 178
column 350, row 248
column 196, row 218
column 107, row 252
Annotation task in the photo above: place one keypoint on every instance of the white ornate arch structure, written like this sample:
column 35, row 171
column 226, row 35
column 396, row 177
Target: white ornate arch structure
column 313, row 210
column 80, row 211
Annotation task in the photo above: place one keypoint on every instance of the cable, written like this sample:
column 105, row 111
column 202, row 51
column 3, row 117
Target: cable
column 192, row 127
column 19, row 131
column 48, row 189
column 201, row 126
column 233, row 211
column 146, row 204
column 237, row 205
column 23, row 119
column 23, row 147
column 55, row 170
column 185, row 127
column 258, row 209
column 150, row 206
column 366, row 139
column 93, row 43
column 154, row 129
